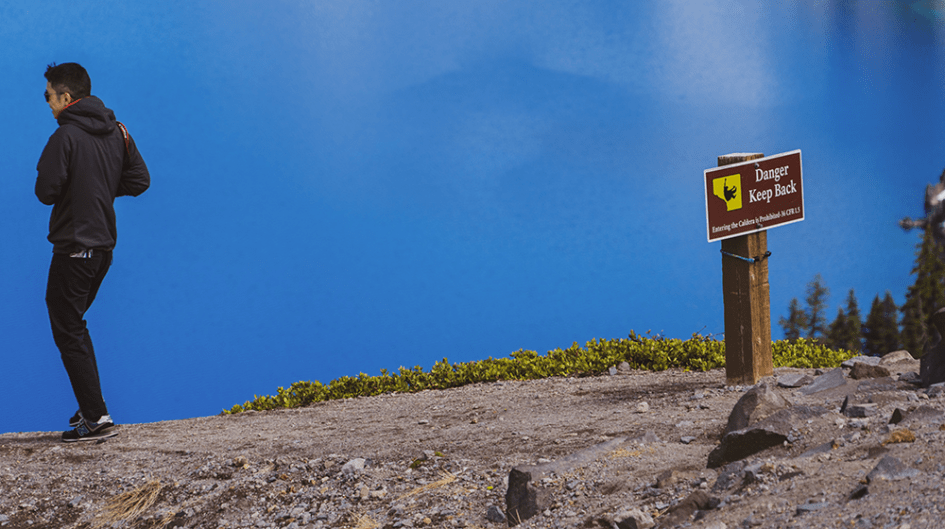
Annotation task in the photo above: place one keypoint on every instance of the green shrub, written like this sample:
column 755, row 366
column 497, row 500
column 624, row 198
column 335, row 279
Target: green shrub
column 807, row 353
column 658, row 353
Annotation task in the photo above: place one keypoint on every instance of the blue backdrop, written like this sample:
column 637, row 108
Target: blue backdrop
column 343, row 186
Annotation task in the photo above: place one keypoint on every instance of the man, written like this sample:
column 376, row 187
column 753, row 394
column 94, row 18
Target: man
column 88, row 161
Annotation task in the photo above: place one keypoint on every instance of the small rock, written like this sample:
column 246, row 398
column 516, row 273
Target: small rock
column 924, row 415
column 751, row 521
column 824, row 448
column 861, row 370
column 891, row 469
column 495, row 515
column 896, row 357
column 615, row 486
column 911, row 377
column 810, row 507
column 846, row 402
column 687, row 439
column 862, row 424
column 648, row 438
column 697, row 501
column 353, row 467
column 667, row 479
column 935, row 390
column 715, row 525
column 871, row 360
column 859, row 492
column 642, row 407
column 861, row 410
column 829, row 380
column 73, row 503
column 634, row 519
column 897, row 416
column 754, row 473
column 524, row 500
column 728, row 476
column 794, row 380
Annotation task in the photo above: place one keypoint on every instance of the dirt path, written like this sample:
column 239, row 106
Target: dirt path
column 442, row 459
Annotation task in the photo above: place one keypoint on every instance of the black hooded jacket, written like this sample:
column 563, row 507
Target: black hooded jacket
column 84, row 166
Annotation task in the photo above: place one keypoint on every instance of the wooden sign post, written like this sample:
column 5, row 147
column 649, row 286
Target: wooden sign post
column 746, row 195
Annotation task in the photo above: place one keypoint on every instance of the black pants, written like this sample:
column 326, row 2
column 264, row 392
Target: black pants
column 71, row 289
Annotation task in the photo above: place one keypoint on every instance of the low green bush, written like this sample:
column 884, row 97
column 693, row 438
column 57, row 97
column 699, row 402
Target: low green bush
column 657, row 353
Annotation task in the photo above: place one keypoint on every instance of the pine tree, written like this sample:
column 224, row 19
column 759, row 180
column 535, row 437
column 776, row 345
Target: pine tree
column 881, row 330
column 795, row 325
column 852, row 336
column 835, row 334
column 817, row 295
column 845, row 331
column 925, row 296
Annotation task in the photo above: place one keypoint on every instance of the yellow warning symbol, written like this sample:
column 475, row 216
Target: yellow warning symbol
column 729, row 189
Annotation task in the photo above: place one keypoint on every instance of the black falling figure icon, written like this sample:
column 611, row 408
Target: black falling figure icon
column 730, row 193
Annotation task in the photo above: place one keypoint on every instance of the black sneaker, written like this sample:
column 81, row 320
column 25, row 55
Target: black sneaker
column 91, row 431
column 76, row 419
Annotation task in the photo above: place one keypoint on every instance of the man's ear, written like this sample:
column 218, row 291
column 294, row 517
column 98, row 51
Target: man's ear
column 67, row 97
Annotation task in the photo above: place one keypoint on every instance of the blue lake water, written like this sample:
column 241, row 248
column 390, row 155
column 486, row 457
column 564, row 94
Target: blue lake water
column 349, row 186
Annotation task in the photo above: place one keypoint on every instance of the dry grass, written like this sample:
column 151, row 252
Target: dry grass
column 900, row 436
column 365, row 522
column 623, row 452
column 129, row 505
column 446, row 480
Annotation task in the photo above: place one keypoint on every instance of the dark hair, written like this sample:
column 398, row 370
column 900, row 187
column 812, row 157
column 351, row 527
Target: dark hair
column 69, row 78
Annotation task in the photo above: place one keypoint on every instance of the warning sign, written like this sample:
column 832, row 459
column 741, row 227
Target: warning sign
column 753, row 196
column 729, row 189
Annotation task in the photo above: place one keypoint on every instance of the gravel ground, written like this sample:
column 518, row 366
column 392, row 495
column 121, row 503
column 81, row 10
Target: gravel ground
column 442, row 459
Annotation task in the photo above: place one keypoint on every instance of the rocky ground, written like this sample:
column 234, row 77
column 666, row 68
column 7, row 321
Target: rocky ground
column 616, row 450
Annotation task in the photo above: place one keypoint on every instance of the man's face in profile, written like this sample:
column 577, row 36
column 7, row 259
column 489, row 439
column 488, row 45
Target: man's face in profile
column 57, row 101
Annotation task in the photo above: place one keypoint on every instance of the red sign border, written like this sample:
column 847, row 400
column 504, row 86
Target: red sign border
column 705, row 175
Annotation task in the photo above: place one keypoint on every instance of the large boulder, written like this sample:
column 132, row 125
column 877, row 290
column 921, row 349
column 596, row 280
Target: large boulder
column 755, row 405
column 772, row 431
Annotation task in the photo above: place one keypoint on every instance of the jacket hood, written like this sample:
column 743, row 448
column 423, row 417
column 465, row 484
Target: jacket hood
column 90, row 115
